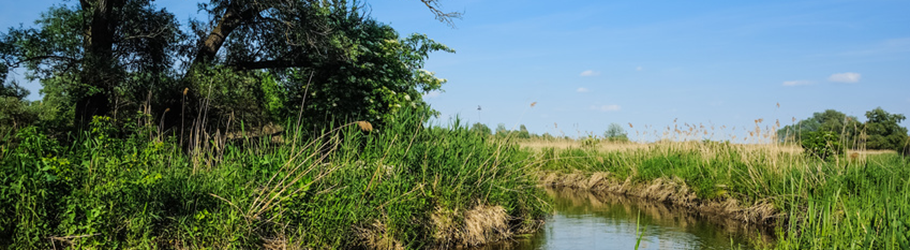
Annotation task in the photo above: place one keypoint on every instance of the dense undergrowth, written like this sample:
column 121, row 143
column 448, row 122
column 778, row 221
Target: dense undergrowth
column 401, row 186
column 846, row 202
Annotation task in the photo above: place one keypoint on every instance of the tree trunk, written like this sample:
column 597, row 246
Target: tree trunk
column 98, row 72
column 233, row 17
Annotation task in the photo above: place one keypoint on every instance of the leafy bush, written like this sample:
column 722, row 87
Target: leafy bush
column 822, row 144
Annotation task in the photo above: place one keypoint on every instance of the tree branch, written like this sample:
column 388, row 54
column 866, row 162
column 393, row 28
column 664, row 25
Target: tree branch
column 40, row 58
column 434, row 7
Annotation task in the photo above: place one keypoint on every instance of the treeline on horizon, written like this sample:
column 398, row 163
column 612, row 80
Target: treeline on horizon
column 614, row 132
column 880, row 131
column 831, row 129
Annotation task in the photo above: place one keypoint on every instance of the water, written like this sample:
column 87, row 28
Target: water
column 586, row 220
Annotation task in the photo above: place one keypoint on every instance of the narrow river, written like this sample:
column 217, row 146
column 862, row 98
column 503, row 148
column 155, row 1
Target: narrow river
column 585, row 220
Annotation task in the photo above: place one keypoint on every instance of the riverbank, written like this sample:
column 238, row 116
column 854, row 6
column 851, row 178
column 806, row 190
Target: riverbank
column 399, row 186
column 586, row 219
column 864, row 199
column 674, row 192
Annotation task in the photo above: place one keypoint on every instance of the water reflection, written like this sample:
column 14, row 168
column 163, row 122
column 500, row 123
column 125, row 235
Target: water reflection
column 586, row 220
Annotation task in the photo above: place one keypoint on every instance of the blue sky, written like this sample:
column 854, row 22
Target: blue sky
column 590, row 63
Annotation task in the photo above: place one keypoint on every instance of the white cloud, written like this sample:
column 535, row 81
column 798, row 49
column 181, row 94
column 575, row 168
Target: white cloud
column 432, row 94
column 582, row 90
column 590, row 73
column 797, row 82
column 849, row 77
column 639, row 68
column 606, row 108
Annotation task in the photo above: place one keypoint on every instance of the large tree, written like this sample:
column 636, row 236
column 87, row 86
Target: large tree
column 880, row 131
column 90, row 51
column 101, row 55
column 883, row 130
column 830, row 120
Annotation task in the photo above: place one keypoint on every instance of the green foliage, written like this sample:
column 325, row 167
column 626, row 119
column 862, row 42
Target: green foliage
column 329, row 57
column 12, row 89
column 523, row 132
column 822, row 144
column 615, row 132
column 16, row 113
column 844, row 126
column 139, row 192
column 481, row 129
column 273, row 97
column 884, row 130
column 881, row 130
column 226, row 94
column 501, row 130
column 383, row 75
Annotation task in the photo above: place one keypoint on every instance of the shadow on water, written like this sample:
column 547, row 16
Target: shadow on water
column 587, row 220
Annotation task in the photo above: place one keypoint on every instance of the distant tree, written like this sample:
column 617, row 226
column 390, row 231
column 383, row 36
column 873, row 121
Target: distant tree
column 844, row 126
column 547, row 136
column 523, row 132
column 501, row 130
column 615, row 132
column 481, row 128
column 883, row 130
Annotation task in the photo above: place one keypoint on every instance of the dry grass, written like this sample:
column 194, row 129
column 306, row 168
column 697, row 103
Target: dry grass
column 377, row 236
column 481, row 225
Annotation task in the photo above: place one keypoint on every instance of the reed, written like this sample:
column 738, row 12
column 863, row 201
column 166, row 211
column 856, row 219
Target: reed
column 856, row 200
column 403, row 185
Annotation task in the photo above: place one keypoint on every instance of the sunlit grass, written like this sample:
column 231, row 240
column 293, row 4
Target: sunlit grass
column 860, row 199
column 403, row 185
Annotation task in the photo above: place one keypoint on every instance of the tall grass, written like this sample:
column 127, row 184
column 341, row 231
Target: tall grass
column 404, row 185
column 854, row 201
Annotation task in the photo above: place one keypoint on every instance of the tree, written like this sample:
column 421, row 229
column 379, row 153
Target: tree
column 844, row 126
column 547, row 136
column 883, row 130
column 615, row 132
column 383, row 76
column 90, row 51
column 481, row 128
column 103, row 55
column 501, row 130
column 523, row 132
column 12, row 90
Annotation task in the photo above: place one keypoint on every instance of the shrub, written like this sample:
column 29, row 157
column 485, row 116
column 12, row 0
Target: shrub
column 822, row 144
